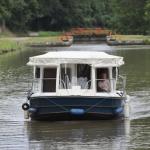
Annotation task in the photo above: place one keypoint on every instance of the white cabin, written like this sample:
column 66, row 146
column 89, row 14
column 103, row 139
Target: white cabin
column 75, row 73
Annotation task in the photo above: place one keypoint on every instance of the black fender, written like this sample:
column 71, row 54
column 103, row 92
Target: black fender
column 25, row 106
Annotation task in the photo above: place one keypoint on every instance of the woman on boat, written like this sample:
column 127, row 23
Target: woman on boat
column 103, row 82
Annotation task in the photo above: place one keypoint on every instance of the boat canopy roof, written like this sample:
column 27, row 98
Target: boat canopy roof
column 76, row 57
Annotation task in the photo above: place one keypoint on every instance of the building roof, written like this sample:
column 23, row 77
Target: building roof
column 76, row 57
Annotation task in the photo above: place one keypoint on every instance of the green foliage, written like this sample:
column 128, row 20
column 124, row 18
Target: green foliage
column 48, row 33
column 147, row 16
column 147, row 42
column 5, row 6
column 22, row 12
column 124, row 16
column 128, row 16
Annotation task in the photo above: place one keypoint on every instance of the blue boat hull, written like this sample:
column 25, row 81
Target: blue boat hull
column 75, row 108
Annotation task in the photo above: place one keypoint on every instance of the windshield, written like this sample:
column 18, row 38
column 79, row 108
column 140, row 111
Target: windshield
column 75, row 75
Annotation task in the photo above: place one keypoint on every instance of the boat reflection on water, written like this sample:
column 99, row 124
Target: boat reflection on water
column 114, row 134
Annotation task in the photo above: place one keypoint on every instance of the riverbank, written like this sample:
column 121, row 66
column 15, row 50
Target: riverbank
column 128, row 40
column 9, row 44
column 16, row 43
column 59, row 39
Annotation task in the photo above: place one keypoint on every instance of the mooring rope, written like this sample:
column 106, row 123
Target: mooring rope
column 64, row 108
column 94, row 105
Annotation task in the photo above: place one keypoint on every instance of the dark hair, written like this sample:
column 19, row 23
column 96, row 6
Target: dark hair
column 102, row 71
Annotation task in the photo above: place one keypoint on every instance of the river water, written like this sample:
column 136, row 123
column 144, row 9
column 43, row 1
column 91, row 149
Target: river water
column 19, row 134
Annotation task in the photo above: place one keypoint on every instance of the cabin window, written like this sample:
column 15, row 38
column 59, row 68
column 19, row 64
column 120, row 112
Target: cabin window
column 49, row 79
column 84, row 76
column 37, row 72
column 75, row 75
column 102, row 80
column 65, row 76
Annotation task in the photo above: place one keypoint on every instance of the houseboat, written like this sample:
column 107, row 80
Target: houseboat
column 75, row 85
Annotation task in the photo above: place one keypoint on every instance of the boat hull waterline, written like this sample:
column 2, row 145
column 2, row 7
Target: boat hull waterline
column 75, row 108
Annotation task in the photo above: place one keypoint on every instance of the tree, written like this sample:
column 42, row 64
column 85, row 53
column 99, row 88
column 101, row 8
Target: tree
column 124, row 16
column 128, row 16
column 22, row 12
column 147, row 16
column 5, row 14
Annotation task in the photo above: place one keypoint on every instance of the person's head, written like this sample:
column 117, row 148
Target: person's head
column 103, row 75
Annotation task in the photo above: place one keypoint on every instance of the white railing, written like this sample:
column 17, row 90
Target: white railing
column 113, row 84
column 121, row 84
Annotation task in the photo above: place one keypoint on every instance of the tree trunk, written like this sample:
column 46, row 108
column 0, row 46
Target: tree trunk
column 3, row 25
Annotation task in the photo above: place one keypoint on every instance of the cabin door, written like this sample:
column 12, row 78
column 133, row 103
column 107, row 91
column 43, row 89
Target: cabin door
column 49, row 79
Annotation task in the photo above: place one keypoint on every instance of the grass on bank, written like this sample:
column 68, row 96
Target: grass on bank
column 41, row 40
column 7, row 45
column 49, row 33
column 10, row 42
column 7, row 33
column 144, row 38
column 15, row 43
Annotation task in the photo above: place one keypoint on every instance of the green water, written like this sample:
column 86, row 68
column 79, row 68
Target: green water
column 16, row 133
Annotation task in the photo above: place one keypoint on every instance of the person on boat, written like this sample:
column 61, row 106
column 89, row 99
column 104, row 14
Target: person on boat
column 103, row 83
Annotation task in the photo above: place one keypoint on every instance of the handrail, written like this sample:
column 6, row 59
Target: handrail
column 36, row 80
column 118, row 84
column 123, row 78
column 87, row 83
